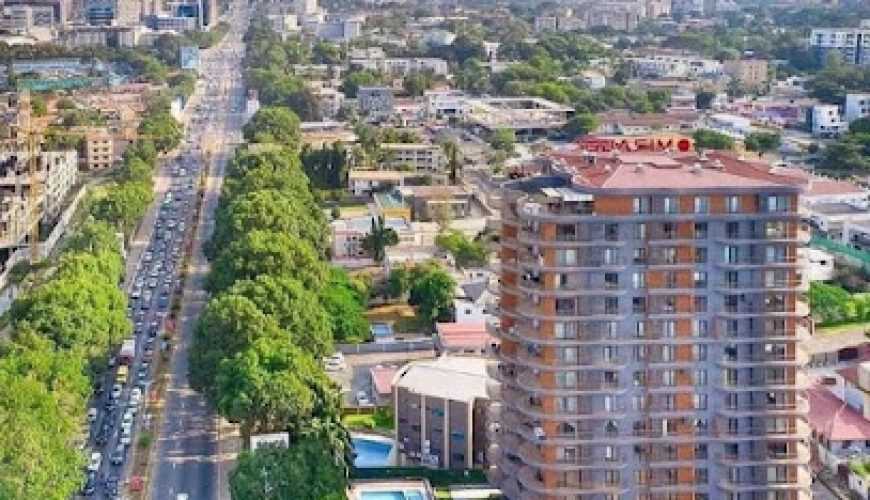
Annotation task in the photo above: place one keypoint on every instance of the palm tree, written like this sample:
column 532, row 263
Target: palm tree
column 451, row 151
column 376, row 242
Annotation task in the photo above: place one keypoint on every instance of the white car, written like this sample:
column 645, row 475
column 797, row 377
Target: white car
column 92, row 415
column 116, row 391
column 95, row 461
column 362, row 399
column 126, row 436
column 127, row 418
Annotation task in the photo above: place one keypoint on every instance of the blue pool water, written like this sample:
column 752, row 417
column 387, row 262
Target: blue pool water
column 371, row 453
column 392, row 495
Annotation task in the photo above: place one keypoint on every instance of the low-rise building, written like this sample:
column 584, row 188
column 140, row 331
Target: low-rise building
column 840, row 431
column 671, row 65
column 375, row 103
column 403, row 66
column 528, row 117
column 827, row 122
column 752, row 74
column 99, row 150
column 626, row 123
column 429, row 203
column 417, row 157
column 441, row 412
column 857, row 106
column 469, row 338
column 368, row 182
column 348, row 235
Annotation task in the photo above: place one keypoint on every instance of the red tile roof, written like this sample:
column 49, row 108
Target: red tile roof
column 463, row 335
column 382, row 379
column 617, row 170
column 832, row 417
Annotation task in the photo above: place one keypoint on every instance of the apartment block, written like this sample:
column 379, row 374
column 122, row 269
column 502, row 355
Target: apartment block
column 750, row 73
column 375, row 103
column 418, row 157
column 99, row 150
column 851, row 44
column 440, row 412
column 650, row 315
column 827, row 122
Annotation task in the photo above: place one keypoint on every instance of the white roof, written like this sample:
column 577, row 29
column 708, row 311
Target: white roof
column 459, row 378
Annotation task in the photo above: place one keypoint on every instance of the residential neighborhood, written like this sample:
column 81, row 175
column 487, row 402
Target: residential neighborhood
column 457, row 249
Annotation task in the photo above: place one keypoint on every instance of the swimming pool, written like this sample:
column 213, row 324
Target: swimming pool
column 392, row 495
column 373, row 452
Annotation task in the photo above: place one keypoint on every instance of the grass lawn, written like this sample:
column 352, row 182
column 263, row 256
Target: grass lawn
column 381, row 419
column 442, row 494
column 843, row 328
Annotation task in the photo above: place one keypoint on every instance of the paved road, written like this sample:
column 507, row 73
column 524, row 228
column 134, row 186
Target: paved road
column 190, row 457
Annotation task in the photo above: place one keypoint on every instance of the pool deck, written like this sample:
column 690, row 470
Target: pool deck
column 358, row 487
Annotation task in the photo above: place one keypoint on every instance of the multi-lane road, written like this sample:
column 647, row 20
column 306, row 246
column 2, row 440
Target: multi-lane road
column 189, row 457
column 192, row 458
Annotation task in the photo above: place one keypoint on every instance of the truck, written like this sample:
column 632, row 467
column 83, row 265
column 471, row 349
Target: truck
column 128, row 351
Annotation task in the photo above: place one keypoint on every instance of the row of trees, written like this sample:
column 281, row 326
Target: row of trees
column 123, row 202
column 61, row 333
column 832, row 304
column 277, row 306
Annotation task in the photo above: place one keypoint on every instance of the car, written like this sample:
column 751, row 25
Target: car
column 95, row 461
column 152, row 283
column 99, row 388
column 116, row 391
column 147, row 257
column 163, row 302
column 92, row 415
column 119, row 455
column 146, row 297
column 136, row 394
column 112, row 362
column 136, row 293
column 126, row 436
column 153, row 327
column 143, row 373
column 362, row 399
column 111, row 485
column 90, row 486
column 127, row 418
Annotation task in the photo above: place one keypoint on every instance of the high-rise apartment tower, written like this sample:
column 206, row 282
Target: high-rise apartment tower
column 649, row 319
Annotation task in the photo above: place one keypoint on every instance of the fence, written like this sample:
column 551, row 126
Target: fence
column 397, row 346
column 861, row 257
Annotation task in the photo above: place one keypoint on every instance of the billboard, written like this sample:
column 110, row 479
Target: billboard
column 189, row 57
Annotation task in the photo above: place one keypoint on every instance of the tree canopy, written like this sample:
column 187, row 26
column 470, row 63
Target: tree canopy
column 710, row 139
column 275, row 124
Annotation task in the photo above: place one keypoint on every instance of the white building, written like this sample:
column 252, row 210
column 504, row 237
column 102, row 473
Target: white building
column 857, row 106
column 348, row 235
column 403, row 66
column 675, row 66
column 305, row 7
column 851, row 44
column 827, row 121
column 593, row 79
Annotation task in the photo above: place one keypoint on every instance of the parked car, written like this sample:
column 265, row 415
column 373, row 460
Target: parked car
column 95, row 461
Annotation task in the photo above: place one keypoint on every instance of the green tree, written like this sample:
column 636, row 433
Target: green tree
column 297, row 310
column 378, row 239
column 465, row 252
column 431, row 290
column 704, row 99
column 266, row 252
column 762, row 142
column 274, row 124
column 38, row 453
column 582, row 124
column 123, row 205
column 710, row 139
column 503, row 139
column 860, row 126
column 272, row 210
column 827, row 302
column 416, row 83
column 356, row 79
column 38, row 106
column 228, row 325
column 398, row 283
column 344, row 306
column 304, row 471
column 267, row 387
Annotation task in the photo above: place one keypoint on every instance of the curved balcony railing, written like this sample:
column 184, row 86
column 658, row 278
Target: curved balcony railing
column 528, row 478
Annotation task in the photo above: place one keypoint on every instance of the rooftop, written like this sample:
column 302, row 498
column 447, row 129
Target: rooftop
column 833, row 418
column 382, row 378
column 674, row 171
column 463, row 335
column 460, row 378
